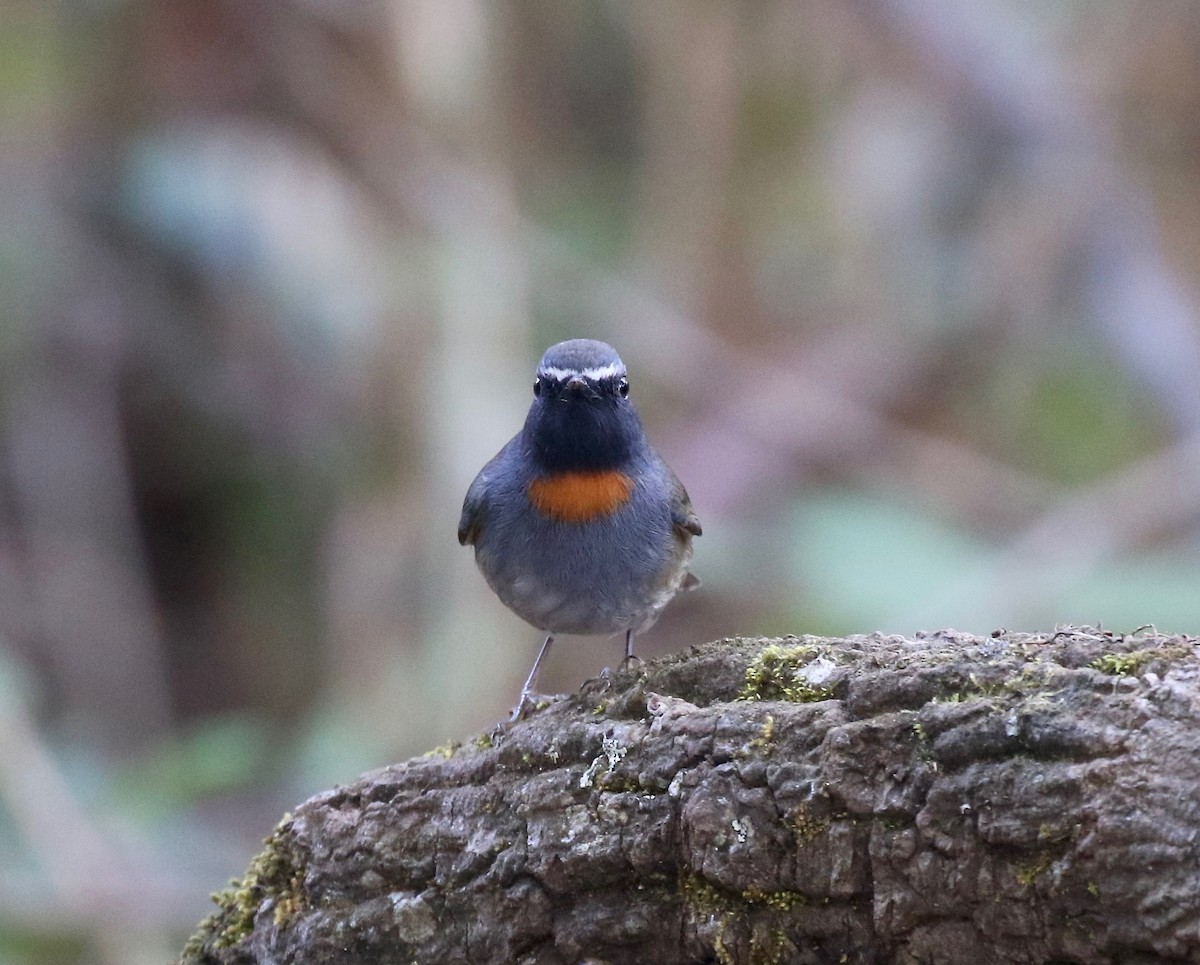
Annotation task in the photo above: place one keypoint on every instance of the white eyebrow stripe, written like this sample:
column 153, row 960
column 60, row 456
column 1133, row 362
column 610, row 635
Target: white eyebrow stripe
column 595, row 374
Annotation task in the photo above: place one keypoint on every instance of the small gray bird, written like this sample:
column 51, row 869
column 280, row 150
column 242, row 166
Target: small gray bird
column 578, row 524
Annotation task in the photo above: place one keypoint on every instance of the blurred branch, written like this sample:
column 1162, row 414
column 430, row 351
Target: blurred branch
column 689, row 132
column 74, row 518
column 1155, row 498
column 1013, row 97
column 74, row 855
column 94, row 885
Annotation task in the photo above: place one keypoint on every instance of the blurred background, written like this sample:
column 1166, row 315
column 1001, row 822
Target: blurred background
column 907, row 291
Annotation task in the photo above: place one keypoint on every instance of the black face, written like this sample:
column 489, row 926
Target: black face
column 581, row 423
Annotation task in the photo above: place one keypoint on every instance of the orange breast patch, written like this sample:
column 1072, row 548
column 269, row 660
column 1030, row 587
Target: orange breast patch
column 576, row 497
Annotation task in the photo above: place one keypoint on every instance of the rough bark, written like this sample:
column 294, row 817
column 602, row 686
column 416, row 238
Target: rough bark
column 948, row 798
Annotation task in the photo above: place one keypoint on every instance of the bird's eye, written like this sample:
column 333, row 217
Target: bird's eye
column 623, row 387
column 537, row 387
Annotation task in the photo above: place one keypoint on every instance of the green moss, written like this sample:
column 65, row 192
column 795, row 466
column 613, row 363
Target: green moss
column 1120, row 664
column 707, row 901
column 1055, row 834
column 1033, row 675
column 446, row 751
column 779, row 900
column 1034, row 868
column 771, row 951
column 614, row 783
column 1131, row 663
column 973, row 688
column 484, row 742
column 274, row 874
column 761, row 745
column 766, row 733
column 805, row 826
column 775, row 674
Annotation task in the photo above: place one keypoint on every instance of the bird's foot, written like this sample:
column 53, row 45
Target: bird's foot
column 604, row 677
column 525, row 706
column 529, row 702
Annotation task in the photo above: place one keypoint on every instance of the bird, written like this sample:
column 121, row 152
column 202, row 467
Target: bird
column 577, row 523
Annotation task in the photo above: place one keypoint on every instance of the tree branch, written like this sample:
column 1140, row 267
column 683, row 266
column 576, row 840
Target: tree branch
column 947, row 798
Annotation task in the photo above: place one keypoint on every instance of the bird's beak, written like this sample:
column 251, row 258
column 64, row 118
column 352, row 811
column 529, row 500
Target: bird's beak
column 578, row 386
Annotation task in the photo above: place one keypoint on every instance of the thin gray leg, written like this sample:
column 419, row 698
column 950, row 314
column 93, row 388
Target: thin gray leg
column 526, row 699
column 630, row 659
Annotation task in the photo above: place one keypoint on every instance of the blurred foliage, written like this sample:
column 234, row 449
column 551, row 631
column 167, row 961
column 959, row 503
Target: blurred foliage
column 907, row 298
column 217, row 756
column 844, row 541
column 1062, row 408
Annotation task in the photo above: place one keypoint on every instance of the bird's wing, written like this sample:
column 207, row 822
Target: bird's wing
column 473, row 508
column 475, row 505
column 683, row 516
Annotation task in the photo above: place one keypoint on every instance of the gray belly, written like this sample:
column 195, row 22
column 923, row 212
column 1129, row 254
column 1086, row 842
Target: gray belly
column 597, row 578
column 583, row 609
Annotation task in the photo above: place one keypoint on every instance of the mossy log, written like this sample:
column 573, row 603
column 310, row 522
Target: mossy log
column 947, row 798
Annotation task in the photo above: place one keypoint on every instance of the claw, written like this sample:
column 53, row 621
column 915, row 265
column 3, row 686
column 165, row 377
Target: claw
column 530, row 702
column 525, row 705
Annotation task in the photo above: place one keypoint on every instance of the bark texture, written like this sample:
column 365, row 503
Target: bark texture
column 947, row 798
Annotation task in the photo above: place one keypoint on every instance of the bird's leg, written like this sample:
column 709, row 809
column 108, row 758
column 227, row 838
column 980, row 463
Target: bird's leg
column 630, row 658
column 525, row 702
